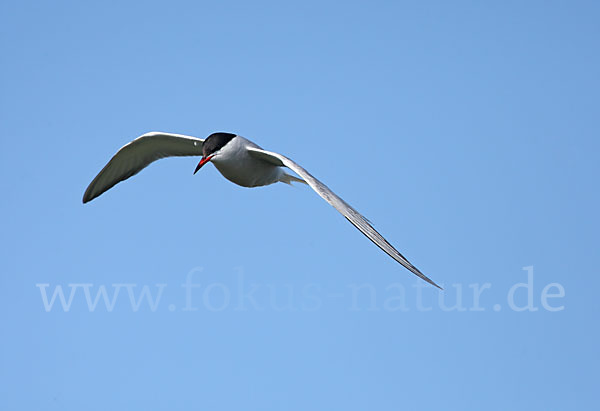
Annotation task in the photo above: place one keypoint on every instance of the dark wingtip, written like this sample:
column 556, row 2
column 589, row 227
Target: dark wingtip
column 87, row 197
column 430, row 281
column 419, row 274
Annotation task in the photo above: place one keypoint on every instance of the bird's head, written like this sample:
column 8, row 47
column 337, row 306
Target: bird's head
column 212, row 147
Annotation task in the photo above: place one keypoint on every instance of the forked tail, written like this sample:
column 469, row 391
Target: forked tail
column 288, row 179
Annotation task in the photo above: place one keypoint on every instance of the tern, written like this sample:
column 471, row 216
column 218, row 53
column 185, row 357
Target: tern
column 240, row 161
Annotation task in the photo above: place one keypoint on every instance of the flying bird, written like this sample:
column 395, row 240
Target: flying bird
column 240, row 161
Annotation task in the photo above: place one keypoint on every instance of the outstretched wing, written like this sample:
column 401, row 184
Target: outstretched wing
column 344, row 208
column 137, row 155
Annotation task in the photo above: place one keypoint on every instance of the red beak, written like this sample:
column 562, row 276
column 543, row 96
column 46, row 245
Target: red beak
column 202, row 162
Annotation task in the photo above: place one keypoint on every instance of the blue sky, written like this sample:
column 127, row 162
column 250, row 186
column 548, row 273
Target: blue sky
column 467, row 132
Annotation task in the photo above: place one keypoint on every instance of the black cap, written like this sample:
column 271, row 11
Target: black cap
column 215, row 142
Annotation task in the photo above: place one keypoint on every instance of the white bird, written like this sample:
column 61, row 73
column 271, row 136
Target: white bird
column 240, row 161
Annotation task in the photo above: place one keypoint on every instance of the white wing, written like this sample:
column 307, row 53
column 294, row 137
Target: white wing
column 138, row 154
column 344, row 208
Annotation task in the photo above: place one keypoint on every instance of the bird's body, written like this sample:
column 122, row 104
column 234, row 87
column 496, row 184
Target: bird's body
column 240, row 161
column 238, row 166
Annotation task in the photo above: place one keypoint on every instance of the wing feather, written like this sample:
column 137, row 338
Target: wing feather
column 344, row 208
column 138, row 154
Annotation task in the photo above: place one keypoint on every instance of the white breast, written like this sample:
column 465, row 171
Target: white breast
column 236, row 165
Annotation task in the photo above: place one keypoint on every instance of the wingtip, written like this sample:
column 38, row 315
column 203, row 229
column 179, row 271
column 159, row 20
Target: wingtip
column 422, row 276
column 427, row 279
column 87, row 197
column 90, row 194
